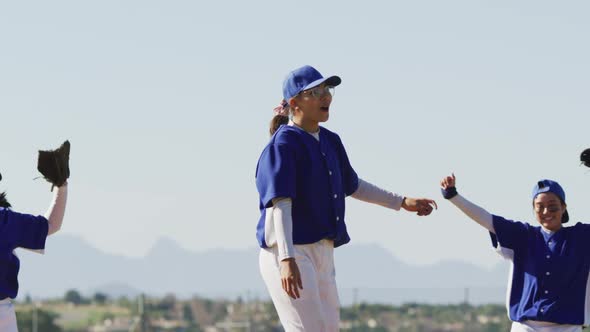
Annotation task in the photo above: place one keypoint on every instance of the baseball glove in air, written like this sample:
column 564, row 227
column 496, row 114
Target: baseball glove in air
column 585, row 157
column 55, row 165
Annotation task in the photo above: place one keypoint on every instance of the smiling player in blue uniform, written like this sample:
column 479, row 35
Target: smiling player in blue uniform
column 303, row 177
column 549, row 289
column 19, row 230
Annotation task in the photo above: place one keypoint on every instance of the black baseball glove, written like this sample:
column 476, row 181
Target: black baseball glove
column 55, row 165
column 585, row 157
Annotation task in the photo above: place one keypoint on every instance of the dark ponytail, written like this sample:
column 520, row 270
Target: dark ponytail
column 277, row 121
column 281, row 116
column 3, row 202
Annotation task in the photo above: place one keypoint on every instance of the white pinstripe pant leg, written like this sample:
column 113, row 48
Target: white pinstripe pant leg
column 532, row 326
column 317, row 309
column 329, row 299
column 7, row 317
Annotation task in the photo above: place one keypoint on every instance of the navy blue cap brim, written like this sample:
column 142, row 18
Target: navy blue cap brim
column 331, row 81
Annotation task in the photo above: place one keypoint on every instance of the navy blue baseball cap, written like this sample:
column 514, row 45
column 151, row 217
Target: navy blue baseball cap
column 550, row 186
column 305, row 78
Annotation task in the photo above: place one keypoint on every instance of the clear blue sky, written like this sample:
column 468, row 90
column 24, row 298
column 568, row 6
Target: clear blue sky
column 167, row 105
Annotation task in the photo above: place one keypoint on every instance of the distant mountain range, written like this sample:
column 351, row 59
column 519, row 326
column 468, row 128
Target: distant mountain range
column 365, row 273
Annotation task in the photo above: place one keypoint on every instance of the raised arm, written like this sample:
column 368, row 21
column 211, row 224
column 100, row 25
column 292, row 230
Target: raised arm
column 476, row 213
column 57, row 208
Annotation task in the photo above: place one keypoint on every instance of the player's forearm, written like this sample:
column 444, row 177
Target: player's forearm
column 283, row 225
column 476, row 213
column 55, row 213
column 370, row 193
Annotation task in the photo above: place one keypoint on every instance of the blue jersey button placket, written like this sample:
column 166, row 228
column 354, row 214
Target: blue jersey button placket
column 335, row 204
column 331, row 179
column 545, row 275
column 546, row 278
column 551, row 245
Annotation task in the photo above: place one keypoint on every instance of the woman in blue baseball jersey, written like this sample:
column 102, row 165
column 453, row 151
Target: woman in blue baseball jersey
column 19, row 230
column 549, row 288
column 303, row 176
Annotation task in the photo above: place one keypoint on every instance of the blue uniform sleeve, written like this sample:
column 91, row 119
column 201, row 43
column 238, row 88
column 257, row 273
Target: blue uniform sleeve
column 350, row 179
column 24, row 230
column 583, row 230
column 276, row 173
column 509, row 234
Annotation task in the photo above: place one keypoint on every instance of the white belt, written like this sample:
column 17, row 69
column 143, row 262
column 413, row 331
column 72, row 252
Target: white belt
column 5, row 301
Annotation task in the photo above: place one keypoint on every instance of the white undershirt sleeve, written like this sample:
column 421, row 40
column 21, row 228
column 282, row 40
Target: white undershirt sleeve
column 283, row 226
column 57, row 209
column 370, row 193
column 478, row 214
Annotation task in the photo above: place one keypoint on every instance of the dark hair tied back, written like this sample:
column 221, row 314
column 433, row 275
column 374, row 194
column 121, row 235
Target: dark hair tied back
column 3, row 201
column 281, row 116
column 276, row 122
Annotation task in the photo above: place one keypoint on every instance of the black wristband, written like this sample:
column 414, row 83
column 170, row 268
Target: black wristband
column 449, row 193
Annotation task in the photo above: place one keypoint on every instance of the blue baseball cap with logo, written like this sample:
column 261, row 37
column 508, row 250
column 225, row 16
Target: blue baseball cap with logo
column 550, row 186
column 304, row 78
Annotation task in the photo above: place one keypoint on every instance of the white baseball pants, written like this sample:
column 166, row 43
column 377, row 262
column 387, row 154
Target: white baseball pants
column 318, row 308
column 533, row 326
column 7, row 316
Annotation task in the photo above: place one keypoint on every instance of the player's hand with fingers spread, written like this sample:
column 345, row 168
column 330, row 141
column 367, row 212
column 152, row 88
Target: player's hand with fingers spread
column 422, row 206
column 448, row 181
column 290, row 277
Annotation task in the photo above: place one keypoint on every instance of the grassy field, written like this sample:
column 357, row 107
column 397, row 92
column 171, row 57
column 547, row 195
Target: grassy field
column 79, row 317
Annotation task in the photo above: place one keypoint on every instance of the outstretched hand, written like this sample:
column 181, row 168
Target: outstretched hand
column 423, row 206
column 448, row 181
